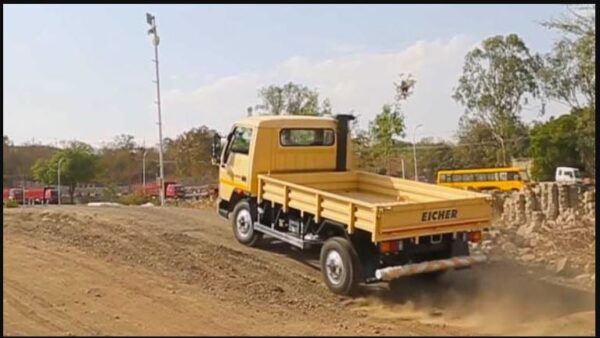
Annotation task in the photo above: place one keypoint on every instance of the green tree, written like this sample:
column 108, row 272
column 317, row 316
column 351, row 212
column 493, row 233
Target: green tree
column 434, row 156
column 497, row 79
column 569, row 75
column 363, row 152
column 120, row 161
column 389, row 123
column 478, row 148
column 18, row 160
column 192, row 152
column 553, row 144
column 292, row 99
column 79, row 165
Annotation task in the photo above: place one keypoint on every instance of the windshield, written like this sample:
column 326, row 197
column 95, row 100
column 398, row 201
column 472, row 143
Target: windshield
column 577, row 173
column 524, row 176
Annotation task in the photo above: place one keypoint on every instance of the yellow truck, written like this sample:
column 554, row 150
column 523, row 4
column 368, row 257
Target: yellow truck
column 293, row 178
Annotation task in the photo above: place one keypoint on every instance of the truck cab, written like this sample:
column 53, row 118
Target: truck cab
column 293, row 178
column 277, row 144
column 568, row 175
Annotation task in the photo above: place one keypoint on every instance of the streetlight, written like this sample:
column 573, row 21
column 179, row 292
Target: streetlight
column 415, row 151
column 402, row 162
column 59, row 163
column 144, row 169
column 151, row 20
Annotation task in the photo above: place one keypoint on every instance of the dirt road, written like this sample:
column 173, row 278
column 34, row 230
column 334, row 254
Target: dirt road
column 176, row 271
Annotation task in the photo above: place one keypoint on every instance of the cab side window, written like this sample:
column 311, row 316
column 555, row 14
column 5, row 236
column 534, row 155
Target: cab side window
column 240, row 142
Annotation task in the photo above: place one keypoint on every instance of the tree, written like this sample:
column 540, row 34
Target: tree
column 79, row 165
column 17, row 160
column 120, row 161
column 433, row 156
column 553, row 144
column 497, row 79
column 477, row 147
column 192, row 152
column 569, row 75
column 326, row 109
column 390, row 123
column 387, row 125
column 292, row 99
column 361, row 145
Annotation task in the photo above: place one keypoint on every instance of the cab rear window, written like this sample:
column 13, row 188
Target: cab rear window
column 306, row 137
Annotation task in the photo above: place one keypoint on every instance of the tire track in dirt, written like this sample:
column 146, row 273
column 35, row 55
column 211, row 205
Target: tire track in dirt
column 195, row 249
column 234, row 275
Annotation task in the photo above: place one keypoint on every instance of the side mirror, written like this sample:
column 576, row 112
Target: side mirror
column 217, row 146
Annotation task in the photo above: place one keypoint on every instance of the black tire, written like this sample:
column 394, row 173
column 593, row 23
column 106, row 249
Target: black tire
column 244, row 232
column 340, row 250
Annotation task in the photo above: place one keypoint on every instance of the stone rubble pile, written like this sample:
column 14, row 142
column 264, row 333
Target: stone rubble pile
column 550, row 225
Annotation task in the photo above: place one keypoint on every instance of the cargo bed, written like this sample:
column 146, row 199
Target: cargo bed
column 387, row 207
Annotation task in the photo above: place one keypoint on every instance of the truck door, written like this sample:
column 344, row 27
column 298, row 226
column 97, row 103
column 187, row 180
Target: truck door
column 234, row 171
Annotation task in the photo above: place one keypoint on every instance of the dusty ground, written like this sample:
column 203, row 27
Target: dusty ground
column 176, row 271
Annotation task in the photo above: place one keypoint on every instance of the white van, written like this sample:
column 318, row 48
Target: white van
column 568, row 175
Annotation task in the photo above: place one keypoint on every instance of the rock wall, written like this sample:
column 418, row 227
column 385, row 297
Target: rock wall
column 545, row 202
column 551, row 225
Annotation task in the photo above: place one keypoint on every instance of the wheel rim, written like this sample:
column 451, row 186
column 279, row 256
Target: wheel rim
column 243, row 223
column 334, row 267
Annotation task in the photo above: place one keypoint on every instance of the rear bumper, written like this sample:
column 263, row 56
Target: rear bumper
column 393, row 272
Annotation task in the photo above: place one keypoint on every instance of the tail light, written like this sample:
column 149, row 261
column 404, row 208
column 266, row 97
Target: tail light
column 390, row 246
column 474, row 236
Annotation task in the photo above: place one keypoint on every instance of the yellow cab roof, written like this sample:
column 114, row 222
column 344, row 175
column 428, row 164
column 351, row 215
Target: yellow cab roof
column 288, row 121
column 480, row 170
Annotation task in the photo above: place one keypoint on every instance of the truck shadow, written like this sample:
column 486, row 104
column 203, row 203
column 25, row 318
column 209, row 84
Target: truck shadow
column 308, row 257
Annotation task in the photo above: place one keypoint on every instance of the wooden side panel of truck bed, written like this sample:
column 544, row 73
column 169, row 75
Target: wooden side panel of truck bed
column 387, row 207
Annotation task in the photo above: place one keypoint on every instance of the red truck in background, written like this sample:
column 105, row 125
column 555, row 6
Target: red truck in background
column 172, row 190
column 46, row 195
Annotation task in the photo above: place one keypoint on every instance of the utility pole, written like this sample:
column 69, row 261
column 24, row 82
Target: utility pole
column 23, row 188
column 402, row 162
column 415, row 151
column 151, row 20
column 144, row 170
column 59, row 162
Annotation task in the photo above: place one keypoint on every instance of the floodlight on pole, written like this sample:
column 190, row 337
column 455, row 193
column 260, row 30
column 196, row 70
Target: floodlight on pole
column 151, row 20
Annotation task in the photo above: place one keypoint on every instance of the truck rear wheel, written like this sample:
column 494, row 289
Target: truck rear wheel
column 242, row 221
column 340, row 266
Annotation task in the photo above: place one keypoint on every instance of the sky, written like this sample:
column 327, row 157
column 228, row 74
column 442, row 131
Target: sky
column 85, row 72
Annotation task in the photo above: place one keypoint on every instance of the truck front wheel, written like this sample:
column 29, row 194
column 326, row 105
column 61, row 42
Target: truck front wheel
column 242, row 222
column 340, row 266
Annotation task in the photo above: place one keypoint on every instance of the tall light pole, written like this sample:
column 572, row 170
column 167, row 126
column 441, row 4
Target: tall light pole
column 415, row 151
column 402, row 162
column 59, row 163
column 144, row 170
column 151, row 20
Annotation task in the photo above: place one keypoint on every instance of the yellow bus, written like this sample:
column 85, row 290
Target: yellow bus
column 505, row 179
